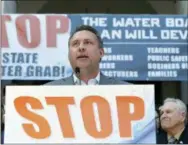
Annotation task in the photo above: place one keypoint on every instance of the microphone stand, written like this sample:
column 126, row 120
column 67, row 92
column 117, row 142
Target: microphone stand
column 77, row 71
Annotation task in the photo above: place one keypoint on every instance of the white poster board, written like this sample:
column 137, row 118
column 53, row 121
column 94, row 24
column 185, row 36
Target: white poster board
column 80, row 114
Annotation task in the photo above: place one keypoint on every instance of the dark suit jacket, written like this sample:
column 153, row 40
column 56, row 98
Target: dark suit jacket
column 104, row 80
column 2, row 132
column 2, row 137
column 163, row 139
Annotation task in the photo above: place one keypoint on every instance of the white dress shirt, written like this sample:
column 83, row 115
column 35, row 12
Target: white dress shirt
column 94, row 81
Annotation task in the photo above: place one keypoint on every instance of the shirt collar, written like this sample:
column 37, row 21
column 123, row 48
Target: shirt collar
column 177, row 135
column 93, row 81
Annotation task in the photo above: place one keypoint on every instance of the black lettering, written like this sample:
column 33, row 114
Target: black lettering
column 20, row 58
column 3, row 70
column 13, row 54
column 10, row 71
column 31, row 58
column 47, row 71
column 56, row 71
column 5, row 58
column 18, row 71
column 35, row 58
column 29, row 71
column 38, row 71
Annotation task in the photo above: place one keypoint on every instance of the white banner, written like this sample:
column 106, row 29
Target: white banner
column 80, row 114
column 35, row 47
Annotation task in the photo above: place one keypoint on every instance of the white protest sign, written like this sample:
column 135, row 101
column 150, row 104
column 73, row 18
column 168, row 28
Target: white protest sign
column 78, row 114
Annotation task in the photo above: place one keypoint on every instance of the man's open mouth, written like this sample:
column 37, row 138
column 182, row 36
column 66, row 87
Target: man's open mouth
column 82, row 56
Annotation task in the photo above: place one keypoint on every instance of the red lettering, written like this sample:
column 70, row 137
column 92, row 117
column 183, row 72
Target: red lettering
column 52, row 30
column 34, row 27
column 4, row 37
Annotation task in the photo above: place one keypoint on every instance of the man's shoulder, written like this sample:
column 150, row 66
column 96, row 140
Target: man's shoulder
column 105, row 80
column 56, row 82
column 117, row 81
column 63, row 81
column 112, row 80
column 161, row 137
column 184, row 135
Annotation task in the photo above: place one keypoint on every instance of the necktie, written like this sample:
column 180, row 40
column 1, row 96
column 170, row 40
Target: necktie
column 172, row 140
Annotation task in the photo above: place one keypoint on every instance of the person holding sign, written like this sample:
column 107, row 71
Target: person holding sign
column 85, row 53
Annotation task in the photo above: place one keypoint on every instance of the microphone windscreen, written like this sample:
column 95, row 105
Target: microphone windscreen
column 77, row 70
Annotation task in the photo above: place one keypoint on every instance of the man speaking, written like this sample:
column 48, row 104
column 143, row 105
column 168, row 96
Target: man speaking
column 85, row 53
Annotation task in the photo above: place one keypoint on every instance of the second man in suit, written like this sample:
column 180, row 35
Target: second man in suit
column 173, row 122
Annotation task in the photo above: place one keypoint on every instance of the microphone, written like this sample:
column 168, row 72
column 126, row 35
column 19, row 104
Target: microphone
column 77, row 71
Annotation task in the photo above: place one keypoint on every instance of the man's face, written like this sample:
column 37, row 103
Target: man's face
column 84, row 50
column 171, row 116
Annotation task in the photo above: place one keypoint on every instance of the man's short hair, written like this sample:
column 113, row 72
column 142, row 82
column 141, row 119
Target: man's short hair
column 90, row 29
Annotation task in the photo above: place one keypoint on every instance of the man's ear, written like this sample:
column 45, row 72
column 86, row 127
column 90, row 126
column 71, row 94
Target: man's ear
column 101, row 52
column 183, row 115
